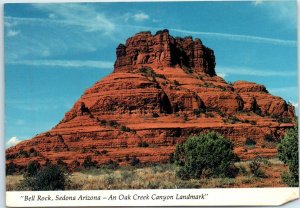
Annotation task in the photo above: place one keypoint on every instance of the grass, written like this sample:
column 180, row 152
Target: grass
column 12, row 182
column 163, row 176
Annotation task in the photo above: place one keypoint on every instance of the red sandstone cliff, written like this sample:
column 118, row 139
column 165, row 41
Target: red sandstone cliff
column 162, row 90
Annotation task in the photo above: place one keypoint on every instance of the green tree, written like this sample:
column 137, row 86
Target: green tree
column 206, row 155
column 288, row 153
column 51, row 177
column 32, row 168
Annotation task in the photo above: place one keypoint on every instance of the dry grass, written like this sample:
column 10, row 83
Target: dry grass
column 12, row 182
column 163, row 177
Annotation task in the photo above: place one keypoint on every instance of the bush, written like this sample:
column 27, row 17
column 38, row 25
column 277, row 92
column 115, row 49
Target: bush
column 288, row 153
column 208, row 155
column 110, row 164
column 51, row 177
column 88, row 163
column 196, row 112
column 155, row 115
column 10, row 168
column 32, row 168
column 103, row 122
column 143, row 144
column 176, row 83
column 124, row 128
column 250, row 142
column 269, row 138
column 255, row 168
column 112, row 123
column 134, row 161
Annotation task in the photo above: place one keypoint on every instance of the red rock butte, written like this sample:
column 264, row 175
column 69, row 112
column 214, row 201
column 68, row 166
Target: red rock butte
column 162, row 91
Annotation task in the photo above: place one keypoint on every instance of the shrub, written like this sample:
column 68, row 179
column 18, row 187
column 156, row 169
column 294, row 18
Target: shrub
column 51, row 177
column 255, row 168
column 10, row 168
column 155, row 115
column 231, row 119
column 176, row 83
column 161, row 76
column 112, row 123
column 207, row 154
column 23, row 153
column 124, row 128
column 185, row 117
column 250, row 142
column 61, row 163
column 88, row 163
column 288, row 153
column 110, row 164
column 196, row 112
column 134, row 161
column 32, row 168
column 143, row 144
column 103, row 122
column 285, row 120
column 269, row 138
column 148, row 71
column 289, row 179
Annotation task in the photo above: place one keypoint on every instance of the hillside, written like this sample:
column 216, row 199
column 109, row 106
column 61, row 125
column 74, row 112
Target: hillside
column 162, row 90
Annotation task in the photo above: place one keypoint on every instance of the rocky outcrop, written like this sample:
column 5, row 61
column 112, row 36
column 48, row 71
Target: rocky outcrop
column 162, row 90
column 162, row 50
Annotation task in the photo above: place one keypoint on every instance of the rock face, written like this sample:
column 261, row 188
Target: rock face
column 162, row 50
column 162, row 90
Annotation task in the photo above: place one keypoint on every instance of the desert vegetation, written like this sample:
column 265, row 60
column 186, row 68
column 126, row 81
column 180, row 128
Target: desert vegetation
column 288, row 153
column 203, row 161
column 163, row 176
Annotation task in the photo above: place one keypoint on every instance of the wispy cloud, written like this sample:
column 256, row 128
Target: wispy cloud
column 12, row 33
column 245, row 38
column 64, row 63
column 235, row 70
column 78, row 15
column 222, row 74
column 257, row 2
column 140, row 16
column 12, row 141
column 284, row 12
column 226, row 36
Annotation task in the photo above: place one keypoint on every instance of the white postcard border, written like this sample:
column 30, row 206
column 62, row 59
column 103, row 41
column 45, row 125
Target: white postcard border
column 160, row 197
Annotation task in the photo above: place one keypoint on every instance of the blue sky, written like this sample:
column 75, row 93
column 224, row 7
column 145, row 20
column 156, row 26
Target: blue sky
column 53, row 52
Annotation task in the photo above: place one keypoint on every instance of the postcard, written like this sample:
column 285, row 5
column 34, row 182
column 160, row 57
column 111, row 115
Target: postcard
column 184, row 103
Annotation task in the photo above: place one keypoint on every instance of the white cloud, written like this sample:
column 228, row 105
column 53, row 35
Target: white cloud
column 222, row 74
column 64, row 63
column 12, row 33
column 140, row 16
column 284, row 12
column 244, row 38
column 295, row 104
column 12, row 141
column 234, row 70
column 78, row 15
column 257, row 2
